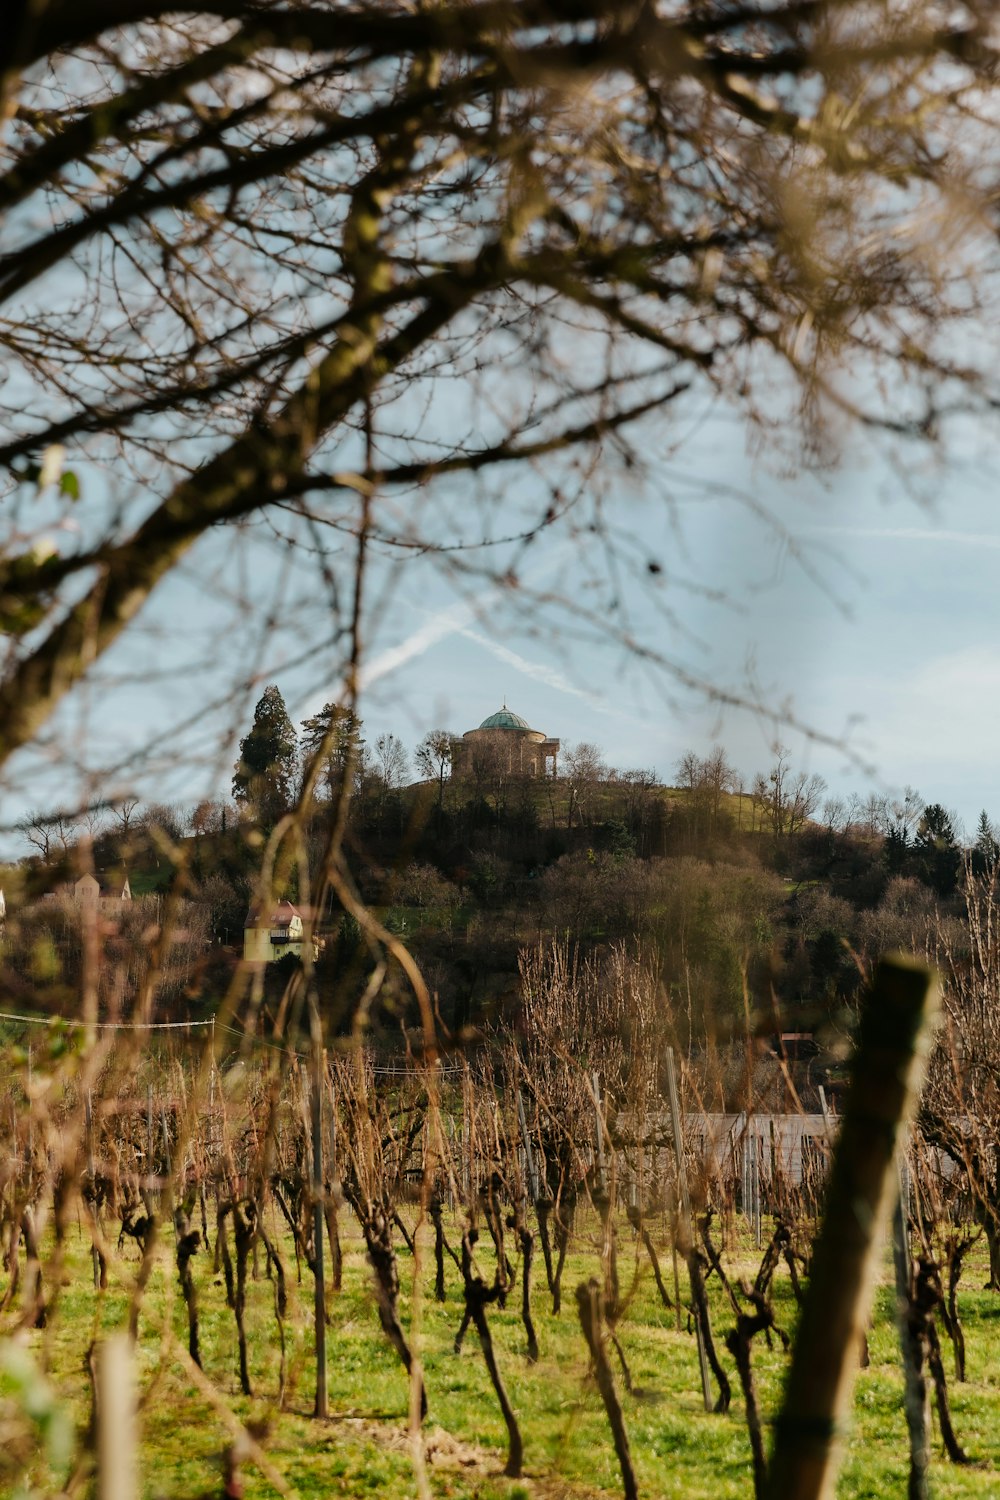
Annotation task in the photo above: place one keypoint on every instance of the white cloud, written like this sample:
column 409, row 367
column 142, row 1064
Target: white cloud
column 938, row 725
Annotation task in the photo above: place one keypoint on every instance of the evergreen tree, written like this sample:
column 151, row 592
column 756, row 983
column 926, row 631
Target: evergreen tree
column 936, row 846
column 896, row 849
column 987, row 848
column 264, row 782
column 335, row 735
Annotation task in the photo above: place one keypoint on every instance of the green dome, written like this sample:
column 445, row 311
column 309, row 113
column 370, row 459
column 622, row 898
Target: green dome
column 504, row 719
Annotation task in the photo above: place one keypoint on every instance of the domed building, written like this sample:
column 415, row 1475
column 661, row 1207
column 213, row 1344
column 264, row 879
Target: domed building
column 526, row 751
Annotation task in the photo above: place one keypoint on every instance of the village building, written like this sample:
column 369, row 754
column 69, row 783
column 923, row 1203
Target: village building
column 101, row 889
column 526, row 751
column 272, row 932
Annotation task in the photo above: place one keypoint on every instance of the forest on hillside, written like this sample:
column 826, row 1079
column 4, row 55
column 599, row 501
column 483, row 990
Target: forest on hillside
column 760, row 897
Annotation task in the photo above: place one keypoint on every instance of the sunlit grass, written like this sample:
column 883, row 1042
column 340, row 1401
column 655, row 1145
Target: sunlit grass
column 679, row 1450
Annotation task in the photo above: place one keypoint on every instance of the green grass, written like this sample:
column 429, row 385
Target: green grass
column 678, row 1449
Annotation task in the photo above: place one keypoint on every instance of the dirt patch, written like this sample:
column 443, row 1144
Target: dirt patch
column 443, row 1451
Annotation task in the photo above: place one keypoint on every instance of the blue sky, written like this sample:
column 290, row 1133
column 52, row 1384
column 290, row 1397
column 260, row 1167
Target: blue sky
column 862, row 607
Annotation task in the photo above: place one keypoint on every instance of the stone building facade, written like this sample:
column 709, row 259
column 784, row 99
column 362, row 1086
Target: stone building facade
column 525, row 751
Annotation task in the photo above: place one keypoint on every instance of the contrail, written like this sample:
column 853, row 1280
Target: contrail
column 539, row 672
column 906, row 534
column 447, row 622
column 450, row 621
column 457, row 619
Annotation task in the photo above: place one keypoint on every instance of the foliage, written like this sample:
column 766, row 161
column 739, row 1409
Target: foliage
column 264, row 780
column 424, row 886
column 332, row 739
column 936, row 849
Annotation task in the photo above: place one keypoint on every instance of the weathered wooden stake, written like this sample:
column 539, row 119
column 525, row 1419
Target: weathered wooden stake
column 595, row 1088
column 88, row 1111
column 683, row 1226
column 887, row 1070
column 915, row 1386
column 150, row 1176
column 528, row 1155
column 322, row 1403
column 117, row 1469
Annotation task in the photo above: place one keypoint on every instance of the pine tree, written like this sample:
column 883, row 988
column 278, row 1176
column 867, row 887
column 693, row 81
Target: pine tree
column 936, row 845
column 987, row 849
column 335, row 734
column 264, row 782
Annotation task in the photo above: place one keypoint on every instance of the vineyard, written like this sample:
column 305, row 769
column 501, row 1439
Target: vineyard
column 539, row 1261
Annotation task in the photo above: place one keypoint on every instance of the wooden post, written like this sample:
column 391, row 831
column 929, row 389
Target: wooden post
column 467, row 1146
column 528, row 1156
column 88, row 1111
column 168, row 1165
column 886, row 1074
column 117, row 1469
column 675, row 1225
column 914, row 1384
column 150, row 1178
column 211, row 1098
column 319, row 1225
column 595, row 1088
column 684, row 1224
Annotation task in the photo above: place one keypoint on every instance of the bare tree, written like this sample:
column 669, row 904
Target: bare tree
column 390, row 758
column 719, row 777
column 584, row 769
column 462, row 192
column 960, row 1110
column 36, row 829
column 95, row 820
column 247, row 251
column 124, row 812
column 434, row 759
column 793, row 796
column 51, row 834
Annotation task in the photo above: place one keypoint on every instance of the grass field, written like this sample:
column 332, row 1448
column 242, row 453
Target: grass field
column 678, row 1449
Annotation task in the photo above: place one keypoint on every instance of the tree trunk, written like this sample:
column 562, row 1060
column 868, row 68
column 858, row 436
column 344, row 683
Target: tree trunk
column 588, row 1301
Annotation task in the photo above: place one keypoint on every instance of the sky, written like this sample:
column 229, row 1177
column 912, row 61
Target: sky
column 863, row 613
column 854, row 609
